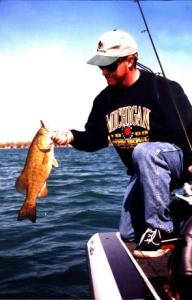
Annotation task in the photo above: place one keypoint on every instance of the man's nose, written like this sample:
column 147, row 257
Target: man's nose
column 105, row 71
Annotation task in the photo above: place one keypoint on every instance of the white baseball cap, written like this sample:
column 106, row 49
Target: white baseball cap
column 112, row 45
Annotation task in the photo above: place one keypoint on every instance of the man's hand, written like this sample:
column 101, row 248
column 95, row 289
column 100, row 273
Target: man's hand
column 62, row 138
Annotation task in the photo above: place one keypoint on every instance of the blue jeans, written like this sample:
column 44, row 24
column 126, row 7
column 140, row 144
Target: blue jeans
column 157, row 166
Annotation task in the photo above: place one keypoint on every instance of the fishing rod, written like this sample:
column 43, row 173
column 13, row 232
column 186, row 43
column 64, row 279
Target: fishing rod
column 163, row 73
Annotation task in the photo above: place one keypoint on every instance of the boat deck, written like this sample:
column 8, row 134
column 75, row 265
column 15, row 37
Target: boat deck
column 156, row 270
column 116, row 274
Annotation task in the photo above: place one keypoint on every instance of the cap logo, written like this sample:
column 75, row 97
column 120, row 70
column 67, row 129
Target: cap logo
column 115, row 47
column 100, row 47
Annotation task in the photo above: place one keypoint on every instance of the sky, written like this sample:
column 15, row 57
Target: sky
column 44, row 46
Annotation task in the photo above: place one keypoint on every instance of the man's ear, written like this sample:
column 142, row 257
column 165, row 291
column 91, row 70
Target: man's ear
column 131, row 60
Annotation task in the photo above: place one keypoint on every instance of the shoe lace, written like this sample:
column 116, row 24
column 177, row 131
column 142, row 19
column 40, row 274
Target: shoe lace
column 148, row 236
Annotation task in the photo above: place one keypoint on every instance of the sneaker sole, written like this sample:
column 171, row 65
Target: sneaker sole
column 150, row 254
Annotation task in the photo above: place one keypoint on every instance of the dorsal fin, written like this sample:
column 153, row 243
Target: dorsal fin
column 42, row 124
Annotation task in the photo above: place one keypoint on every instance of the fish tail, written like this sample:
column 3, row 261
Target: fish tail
column 27, row 211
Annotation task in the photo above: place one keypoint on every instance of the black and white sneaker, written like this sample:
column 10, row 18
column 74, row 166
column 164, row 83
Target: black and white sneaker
column 154, row 243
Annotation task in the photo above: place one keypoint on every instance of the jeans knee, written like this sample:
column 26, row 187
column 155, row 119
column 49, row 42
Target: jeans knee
column 140, row 152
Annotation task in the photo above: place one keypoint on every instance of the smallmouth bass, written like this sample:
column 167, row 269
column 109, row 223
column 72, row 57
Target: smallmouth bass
column 37, row 168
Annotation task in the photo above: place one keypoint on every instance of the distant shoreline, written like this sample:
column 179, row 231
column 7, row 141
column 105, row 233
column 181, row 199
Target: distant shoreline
column 19, row 145
column 15, row 145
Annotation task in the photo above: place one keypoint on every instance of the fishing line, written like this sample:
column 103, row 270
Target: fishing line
column 163, row 73
column 170, row 91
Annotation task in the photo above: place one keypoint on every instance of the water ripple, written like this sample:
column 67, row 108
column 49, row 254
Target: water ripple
column 47, row 259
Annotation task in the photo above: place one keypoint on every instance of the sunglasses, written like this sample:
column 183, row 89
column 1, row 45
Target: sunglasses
column 112, row 67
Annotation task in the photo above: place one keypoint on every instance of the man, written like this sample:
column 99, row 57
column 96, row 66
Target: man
column 137, row 112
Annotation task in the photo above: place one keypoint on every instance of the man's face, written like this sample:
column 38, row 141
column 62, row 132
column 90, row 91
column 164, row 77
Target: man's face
column 115, row 73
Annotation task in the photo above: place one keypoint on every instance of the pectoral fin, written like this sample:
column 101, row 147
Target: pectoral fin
column 45, row 159
column 44, row 191
column 55, row 163
column 21, row 185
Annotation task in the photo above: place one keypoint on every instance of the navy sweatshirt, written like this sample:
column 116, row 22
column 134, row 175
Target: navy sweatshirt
column 143, row 112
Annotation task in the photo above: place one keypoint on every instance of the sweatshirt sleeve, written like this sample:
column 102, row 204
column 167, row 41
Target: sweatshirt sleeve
column 95, row 135
column 178, row 115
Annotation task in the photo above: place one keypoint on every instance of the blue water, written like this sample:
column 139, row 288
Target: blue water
column 48, row 259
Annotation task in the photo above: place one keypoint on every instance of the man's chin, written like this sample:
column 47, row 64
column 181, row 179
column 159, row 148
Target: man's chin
column 111, row 81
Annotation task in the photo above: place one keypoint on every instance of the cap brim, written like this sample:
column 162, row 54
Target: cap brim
column 101, row 60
